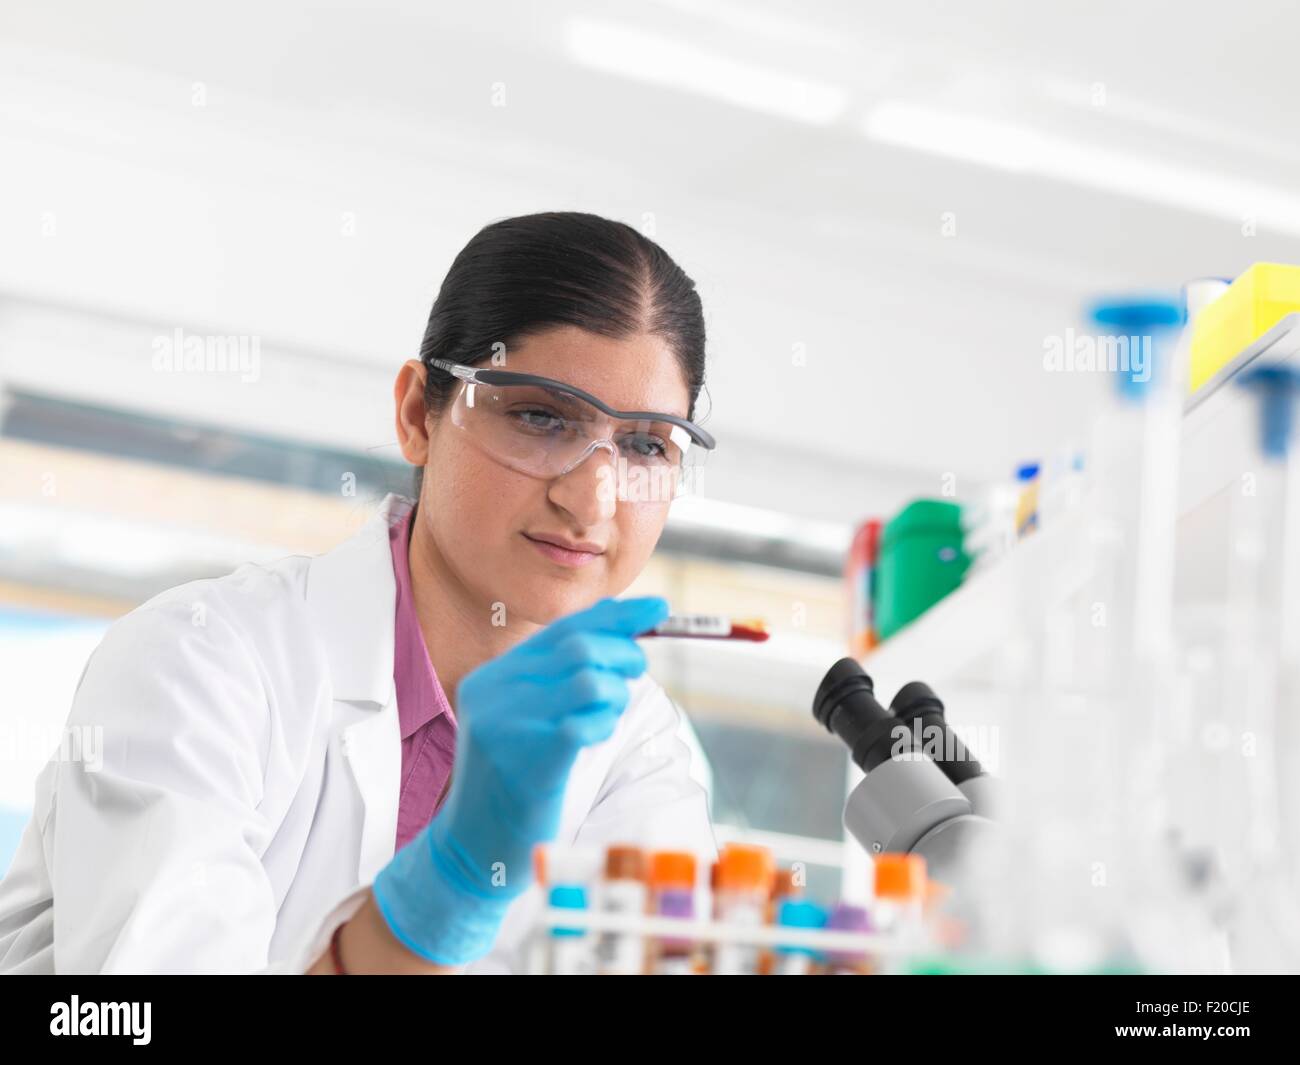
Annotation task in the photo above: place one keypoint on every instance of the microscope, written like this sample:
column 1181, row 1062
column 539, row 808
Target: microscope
column 923, row 793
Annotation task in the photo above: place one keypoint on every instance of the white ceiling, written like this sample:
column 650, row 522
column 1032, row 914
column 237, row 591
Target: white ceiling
column 1153, row 131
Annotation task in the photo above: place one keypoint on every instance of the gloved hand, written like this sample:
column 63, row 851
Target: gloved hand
column 522, row 718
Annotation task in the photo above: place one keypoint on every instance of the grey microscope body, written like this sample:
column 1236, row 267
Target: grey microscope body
column 908, row 802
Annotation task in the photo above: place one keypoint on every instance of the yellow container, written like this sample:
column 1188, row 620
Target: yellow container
column 1261, row 297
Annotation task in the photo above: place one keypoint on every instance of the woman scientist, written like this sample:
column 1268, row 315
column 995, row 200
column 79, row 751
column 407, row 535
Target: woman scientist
column 276, row 788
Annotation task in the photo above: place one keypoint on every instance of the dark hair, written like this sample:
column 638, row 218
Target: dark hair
column 520, row 276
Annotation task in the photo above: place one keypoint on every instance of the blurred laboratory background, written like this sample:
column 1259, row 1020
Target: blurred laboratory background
column 893, row 212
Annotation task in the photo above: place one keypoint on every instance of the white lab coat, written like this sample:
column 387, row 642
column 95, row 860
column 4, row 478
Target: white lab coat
column 248, row 791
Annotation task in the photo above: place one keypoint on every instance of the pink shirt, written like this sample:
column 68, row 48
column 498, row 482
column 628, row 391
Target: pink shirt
column 426, row 719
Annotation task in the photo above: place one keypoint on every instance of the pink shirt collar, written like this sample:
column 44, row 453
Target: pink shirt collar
column 420, row 697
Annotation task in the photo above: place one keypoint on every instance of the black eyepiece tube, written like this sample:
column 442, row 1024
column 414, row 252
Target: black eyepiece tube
column 916, row 702
column 846, row 705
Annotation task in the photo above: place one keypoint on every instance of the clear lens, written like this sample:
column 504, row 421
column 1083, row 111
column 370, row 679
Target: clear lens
column 545, row 433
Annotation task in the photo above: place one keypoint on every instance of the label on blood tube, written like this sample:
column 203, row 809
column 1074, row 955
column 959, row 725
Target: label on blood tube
column 694, row 625
column 709, row 627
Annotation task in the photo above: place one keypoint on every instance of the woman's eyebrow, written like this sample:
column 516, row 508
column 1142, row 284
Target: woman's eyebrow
column 568, row 402
column 648, row 409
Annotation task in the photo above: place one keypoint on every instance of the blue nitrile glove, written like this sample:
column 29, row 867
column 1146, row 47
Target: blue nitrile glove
column 522, row 718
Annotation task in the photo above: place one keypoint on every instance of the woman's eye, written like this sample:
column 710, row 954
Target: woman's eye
column 650, row 447
column 537, row 419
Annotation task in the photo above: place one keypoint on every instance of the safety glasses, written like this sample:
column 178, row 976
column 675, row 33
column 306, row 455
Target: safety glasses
column 546, row 428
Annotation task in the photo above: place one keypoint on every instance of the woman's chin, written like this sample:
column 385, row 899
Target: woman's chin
column 545, row 601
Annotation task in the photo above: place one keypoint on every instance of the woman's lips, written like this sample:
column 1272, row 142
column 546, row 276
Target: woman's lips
column 562, row 555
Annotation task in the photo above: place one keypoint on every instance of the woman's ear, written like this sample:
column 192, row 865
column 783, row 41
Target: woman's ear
column 412, row 421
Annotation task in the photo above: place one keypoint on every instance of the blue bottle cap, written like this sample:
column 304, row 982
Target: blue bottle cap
column 568, row 897
column 800, row 913
column 1137, row 314
column 1276, row 384
column 1138, row 321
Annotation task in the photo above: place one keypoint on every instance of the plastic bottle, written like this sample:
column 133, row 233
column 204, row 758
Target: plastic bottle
column 860, row 579
column 622, row 891
column 901, row 889
column 989, row 525
column 1062, row 489
column 1027, row 503
column 570, row 948
column 744, row 885
column 672, row 894
column 784, row 886
column 563, row 874
column 849, row 917
column 798, row 960
column 1260, row 667
column 1091, row 682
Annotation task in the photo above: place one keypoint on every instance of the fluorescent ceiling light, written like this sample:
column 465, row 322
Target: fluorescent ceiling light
column 1007, row 146
column 1216, row 134
column 745, row 17
column 659, row 60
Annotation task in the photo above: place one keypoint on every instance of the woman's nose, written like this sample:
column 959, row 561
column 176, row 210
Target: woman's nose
column 588, row 488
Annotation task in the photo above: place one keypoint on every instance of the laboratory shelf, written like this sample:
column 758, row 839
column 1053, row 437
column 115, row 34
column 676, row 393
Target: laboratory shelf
column 960, row 642
column 969, row 625
column 960, row 639
column 1281, row 344
column 1221, row 422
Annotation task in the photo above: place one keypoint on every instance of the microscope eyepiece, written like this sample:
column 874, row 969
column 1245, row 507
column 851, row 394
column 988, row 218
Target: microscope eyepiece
column 846, row 705
column 913, row 698
column 844, row 676
column 921, row 711
column 909, row 801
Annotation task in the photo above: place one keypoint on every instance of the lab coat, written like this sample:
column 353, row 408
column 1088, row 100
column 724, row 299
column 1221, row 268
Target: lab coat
column 248, row 791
